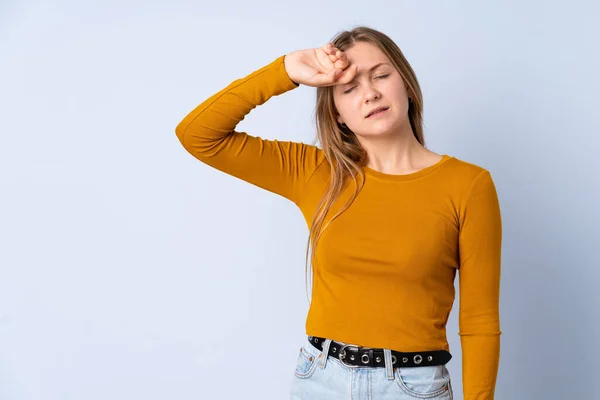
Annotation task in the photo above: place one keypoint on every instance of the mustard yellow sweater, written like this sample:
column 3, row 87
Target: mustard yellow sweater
column 384, row 270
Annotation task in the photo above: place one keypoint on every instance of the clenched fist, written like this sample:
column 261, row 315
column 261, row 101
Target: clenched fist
column 321, row 66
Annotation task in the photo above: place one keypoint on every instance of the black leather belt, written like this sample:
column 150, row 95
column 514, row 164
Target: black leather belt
column 357, row 356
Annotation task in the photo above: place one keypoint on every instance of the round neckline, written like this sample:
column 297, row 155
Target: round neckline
column 412, row 175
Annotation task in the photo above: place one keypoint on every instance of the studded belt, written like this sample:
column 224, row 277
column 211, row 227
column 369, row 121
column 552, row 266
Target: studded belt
column 358, row 356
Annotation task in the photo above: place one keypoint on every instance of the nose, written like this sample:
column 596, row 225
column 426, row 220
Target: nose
column 371, row 94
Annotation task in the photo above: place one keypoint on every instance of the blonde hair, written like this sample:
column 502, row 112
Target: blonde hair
column 342, row 150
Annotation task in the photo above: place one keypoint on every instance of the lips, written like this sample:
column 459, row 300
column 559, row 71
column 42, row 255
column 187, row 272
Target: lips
column 376, row 110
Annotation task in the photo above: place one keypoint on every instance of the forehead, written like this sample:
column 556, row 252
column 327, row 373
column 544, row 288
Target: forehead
column 365, row 55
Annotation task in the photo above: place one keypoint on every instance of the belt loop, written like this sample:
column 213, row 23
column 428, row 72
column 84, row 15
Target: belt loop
column 324, row 353
column 389, row 368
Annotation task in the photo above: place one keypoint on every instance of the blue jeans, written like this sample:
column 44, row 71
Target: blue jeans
column 327, row 378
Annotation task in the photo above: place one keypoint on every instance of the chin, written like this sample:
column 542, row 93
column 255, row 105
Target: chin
column 379, row 130
column 374, row 134
column 384, row 128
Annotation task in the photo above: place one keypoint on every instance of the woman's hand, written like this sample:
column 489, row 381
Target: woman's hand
column 321, row 66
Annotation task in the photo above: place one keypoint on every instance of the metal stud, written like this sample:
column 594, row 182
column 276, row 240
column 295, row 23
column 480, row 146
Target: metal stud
column 417, row 359
column 394, row 359
column 378, row 359
column 317, row 340
column 429, row 358
column 362, row 358
column 334, row 349
column 404, row 359
column 352, row 357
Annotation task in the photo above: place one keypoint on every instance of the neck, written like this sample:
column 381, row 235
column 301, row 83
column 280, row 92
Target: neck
column 395, row 153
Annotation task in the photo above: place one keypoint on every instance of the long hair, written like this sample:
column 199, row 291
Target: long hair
column 344, row 153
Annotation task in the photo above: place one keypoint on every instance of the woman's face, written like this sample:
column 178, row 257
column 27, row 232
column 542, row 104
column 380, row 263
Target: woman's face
column 370, row 89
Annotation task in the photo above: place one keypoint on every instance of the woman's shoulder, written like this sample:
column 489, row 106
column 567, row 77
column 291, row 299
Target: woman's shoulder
column 465, row 176
column 467, row 169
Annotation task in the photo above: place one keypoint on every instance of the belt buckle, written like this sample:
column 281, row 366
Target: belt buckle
column 342, row 355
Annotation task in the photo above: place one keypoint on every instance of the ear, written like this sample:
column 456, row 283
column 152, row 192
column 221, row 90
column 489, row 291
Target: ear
column 339, row 119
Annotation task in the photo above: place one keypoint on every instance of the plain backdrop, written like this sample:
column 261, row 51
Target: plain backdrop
column 130, row 270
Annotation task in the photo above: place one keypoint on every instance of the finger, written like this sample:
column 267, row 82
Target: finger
column 347, row 75
column 340, row 63
column 343, row 58
column 338, row 56
column 334, row 74
column 330, row 49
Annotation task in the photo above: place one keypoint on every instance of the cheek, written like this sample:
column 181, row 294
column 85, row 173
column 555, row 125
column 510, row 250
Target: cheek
column 343, row 108
column 357, row 107
column 348, row 111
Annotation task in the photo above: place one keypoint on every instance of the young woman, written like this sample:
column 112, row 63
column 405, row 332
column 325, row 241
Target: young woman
column 390, row 223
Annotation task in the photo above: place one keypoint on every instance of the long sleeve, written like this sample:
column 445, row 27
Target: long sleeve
column 480, row 242
column 208, row 134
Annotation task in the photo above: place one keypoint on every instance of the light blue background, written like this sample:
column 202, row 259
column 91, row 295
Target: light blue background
column 129, row 270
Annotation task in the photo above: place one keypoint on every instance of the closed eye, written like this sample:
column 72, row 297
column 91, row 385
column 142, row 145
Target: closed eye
column 380, row 76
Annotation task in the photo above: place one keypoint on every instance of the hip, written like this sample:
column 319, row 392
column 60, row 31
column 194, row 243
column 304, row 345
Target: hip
column 317, row 376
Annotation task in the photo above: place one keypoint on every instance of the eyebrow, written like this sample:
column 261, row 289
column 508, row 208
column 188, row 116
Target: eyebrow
column 370, row 69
